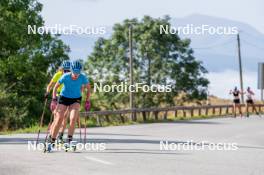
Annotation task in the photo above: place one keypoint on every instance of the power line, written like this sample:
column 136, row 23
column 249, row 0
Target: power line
column 251, row 44
column 250, row 35
column 229, row 41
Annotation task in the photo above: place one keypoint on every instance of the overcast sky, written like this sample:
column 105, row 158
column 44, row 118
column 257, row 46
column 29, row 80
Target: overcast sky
column 108, row 12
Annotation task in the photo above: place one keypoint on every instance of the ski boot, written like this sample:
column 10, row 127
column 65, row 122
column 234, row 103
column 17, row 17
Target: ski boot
column 49, row 145
column 60, row 142
column 60, row 139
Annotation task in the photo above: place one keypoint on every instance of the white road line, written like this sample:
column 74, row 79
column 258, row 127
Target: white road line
column 98, row 160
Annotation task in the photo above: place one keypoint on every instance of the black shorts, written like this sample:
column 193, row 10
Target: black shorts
column 250, row 101
column 237, row 101
column 69, row 101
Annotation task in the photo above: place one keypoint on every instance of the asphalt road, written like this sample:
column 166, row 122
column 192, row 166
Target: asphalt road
column 136, row 149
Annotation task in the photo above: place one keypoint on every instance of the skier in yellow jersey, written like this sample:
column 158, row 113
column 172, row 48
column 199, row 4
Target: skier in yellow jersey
column 65, row 68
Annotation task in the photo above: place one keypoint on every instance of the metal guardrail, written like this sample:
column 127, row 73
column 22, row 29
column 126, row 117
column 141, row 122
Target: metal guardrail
column 186, row 111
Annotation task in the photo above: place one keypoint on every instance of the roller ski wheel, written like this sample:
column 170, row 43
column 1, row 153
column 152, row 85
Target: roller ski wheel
column 68, row 147
column 60, row 143
column 74, row 148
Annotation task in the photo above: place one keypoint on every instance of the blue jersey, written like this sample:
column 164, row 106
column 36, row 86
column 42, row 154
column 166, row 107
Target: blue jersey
column 72, row 88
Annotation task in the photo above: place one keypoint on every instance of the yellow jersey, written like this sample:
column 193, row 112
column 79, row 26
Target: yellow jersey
column 55, row 79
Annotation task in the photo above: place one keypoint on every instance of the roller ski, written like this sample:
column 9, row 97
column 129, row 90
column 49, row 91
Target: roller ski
column 49, row 146
column 71, row 146
column 60, row 140
column 247, row 115
column 259, row 114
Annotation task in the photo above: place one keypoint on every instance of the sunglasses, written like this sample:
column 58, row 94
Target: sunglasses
column 66, row 71
column 76, row 74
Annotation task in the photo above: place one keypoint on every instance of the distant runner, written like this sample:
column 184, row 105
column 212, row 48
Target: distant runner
column 236, row 101
column 250, row 102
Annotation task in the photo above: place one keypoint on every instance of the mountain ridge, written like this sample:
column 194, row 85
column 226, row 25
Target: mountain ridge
column 213, row 50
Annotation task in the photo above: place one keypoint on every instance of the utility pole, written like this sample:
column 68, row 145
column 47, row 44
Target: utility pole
column 240, row 68
column 261, row 79
column 131, row 95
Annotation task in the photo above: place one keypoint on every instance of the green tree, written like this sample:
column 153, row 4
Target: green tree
column 26, row 63
column 159, row 59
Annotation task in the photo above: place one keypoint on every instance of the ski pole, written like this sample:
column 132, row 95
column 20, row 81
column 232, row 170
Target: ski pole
column 50, row 123
column 41, row 119
column 85, row 128
column 79, row 121
column 87, row 108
